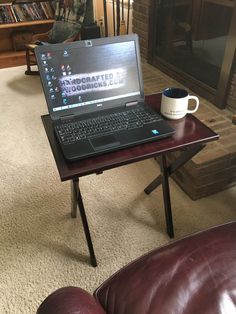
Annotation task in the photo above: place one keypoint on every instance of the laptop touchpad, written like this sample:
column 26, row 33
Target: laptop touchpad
column 104, row 142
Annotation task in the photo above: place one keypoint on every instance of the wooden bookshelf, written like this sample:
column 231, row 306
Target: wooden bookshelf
column 26, row 24
column 12, row 59
column 8, row 56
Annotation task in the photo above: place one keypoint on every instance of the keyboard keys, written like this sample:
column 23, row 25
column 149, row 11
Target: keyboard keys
column 79, row 130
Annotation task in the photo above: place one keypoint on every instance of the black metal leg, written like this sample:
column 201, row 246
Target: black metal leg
column 86, row 227
column 153, row 185
column 74, row 196
column 180, row 161
column 105, row 17
column 166, row 197
column 76, row 201
column 163, row 179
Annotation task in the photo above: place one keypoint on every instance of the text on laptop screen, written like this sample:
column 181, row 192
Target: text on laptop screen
column 77, row 78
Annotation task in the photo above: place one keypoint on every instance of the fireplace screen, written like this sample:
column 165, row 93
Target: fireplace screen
column 191, row 36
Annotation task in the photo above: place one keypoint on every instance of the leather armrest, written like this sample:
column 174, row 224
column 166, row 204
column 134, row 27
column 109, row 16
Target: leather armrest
column 195, row 274
column 70, row 300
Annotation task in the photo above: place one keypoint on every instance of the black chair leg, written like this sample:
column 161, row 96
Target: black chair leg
column 28, row 55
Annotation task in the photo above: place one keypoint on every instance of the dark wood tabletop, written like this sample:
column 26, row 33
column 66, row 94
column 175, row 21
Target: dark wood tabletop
column 189, row 131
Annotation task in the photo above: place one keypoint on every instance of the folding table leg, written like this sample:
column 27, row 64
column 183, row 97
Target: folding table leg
column 153, row 185
column 163, row 179
column 27, row 56
column 76, row 200
column 74, row 196
column 166, row 197
column 180, row 161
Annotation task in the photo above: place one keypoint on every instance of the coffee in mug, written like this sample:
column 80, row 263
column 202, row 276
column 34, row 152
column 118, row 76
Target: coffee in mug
column 174, row 103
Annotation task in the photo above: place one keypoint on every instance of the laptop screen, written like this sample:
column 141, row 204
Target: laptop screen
column 87, row 76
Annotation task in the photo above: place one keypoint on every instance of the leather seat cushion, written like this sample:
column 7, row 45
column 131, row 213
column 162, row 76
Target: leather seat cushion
column 192, row 275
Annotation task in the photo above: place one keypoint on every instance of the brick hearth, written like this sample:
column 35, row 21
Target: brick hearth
column 214, row 168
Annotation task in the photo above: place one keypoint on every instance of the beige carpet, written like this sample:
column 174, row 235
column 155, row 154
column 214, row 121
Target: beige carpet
column 41, row 247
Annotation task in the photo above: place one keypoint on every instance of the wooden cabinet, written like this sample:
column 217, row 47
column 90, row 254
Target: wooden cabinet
column 8, row 55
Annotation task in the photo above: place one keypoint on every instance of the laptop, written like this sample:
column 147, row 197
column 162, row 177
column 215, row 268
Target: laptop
column 95, row 97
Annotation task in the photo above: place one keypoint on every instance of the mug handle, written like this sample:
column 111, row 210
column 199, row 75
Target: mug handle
column 197, row 104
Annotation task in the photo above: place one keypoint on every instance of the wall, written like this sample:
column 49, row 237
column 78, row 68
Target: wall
column 98, row 9
column 141, row 22
column 99, row 14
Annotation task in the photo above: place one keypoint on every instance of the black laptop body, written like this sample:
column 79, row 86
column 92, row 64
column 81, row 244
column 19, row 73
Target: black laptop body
column 95, row 97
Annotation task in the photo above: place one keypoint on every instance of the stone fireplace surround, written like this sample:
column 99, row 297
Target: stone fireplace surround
column 214, row 168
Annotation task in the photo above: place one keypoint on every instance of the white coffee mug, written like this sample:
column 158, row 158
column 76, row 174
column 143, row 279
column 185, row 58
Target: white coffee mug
column 174, row 103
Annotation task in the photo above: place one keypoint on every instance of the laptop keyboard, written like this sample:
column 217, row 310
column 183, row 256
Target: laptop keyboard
column 69, row 133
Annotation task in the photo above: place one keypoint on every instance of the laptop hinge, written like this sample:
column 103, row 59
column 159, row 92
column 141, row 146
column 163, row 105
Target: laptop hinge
column 67, row 117
column 132, row 103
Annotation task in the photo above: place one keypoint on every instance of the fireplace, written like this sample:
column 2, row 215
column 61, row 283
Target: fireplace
column 192, row 41
column 214, row 168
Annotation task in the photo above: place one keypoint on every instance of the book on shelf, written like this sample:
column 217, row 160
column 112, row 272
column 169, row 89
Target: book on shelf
column 39, row 9
column 47, row 8
column 18, row 12
column 22, row 11
column 14, row 14
column 25, row 11
column 6, row 15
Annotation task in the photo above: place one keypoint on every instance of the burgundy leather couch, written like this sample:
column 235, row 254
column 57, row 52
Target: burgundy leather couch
column 194, row 275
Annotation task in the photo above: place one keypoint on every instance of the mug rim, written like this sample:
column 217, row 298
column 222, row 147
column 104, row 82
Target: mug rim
column 176, row 89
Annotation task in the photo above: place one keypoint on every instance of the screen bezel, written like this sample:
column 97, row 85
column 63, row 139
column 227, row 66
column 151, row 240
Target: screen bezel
column 87, row 44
